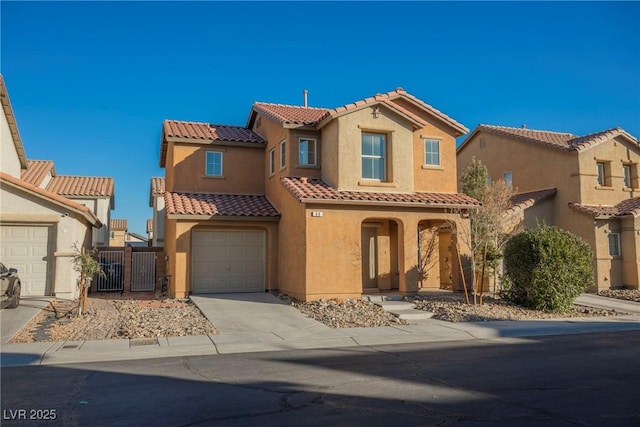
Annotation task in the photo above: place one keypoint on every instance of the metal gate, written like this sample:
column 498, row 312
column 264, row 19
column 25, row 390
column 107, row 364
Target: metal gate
column 143, row 271
column 112, row 263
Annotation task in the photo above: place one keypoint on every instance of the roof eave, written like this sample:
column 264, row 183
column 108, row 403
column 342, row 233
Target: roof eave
column 382, row 203
column 224, row 217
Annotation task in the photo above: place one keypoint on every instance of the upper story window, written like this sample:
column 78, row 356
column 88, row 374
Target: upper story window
column 307, row 150
column 272, row 161
column 283, row 153
column 213, row 165
column 432, row 152
column 508, row 179
column 603, row 169
column 374, row 156
column 630, row 175
column 627, row 175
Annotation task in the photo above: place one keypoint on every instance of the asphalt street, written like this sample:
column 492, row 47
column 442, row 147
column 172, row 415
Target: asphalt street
column 561, row 380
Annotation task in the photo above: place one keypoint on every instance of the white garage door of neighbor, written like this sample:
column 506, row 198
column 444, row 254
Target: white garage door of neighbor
column 26, row 248
column 228, row 261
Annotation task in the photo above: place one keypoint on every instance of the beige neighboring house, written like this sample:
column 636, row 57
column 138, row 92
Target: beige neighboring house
column 118, row 232
column 588, row 185
column 96, row 193
column 38, row 228
column 156, row 201
column 135, row 240
column 150, row 230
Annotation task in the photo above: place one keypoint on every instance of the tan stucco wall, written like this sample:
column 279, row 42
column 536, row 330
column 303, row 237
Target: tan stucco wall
column 116, row 237
column 242, row 169
column 178, row 249
column 19, row 208
column 617, row 152
column 9, row 161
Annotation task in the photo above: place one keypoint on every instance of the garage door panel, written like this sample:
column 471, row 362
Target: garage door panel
column 228, row 261
column 28, row 249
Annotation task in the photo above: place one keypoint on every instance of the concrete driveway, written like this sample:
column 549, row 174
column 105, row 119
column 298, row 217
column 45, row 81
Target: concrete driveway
column 256, row 312
column 13, row 319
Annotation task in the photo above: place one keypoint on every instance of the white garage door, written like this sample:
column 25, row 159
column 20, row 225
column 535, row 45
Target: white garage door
column 228, row 261
column 27, row 249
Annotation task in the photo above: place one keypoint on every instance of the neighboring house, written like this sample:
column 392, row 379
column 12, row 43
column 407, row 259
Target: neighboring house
column 133, row 239
column 156, row 201
column 96, row 193
column 117, row 232
column 38, row 228
column 314, row 202
column 587, row 185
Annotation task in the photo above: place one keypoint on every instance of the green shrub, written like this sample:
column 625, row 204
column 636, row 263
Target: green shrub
column 546, row 268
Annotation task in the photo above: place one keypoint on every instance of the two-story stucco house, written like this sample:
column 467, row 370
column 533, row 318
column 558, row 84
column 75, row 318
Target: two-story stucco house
column 587, row 185
column 314, row 202
column 38, row 227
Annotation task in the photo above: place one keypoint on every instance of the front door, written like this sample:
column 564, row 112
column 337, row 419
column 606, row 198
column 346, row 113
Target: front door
column 369, row 258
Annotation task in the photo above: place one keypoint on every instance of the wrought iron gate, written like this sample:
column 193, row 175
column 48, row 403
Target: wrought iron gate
column 143, row 271
column 112, row 263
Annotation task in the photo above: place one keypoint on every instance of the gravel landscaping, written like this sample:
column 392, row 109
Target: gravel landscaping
column 116, row 316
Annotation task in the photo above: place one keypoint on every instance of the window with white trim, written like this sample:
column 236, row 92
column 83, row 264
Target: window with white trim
column 272, row 161
column 213, row 166
column 432, row 152
column 627, row 175
column 614, row 244
column 374, row 156
column 600, row 167
column 283, row 153
column 307, row 152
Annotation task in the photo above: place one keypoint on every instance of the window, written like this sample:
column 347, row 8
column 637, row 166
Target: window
column 214, row 163
column 508, row 179
column 306, row 152
column 627, row 175
column 272, row 161
column 283, row 153
column 614, row 244
column 432, row 152
column 600, row 171
column 374, row 156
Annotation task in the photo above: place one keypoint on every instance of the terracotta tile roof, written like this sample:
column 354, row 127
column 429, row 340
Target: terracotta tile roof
column 210, row 132
column 557, row 140
column 52, row 197
column 156, row 189
column 522, row 201
column 118, row 225
column 149, row 225
column 316, row 190
column 310, row 116
column 36, row 171
column 218, row 205
column 68, row 185
column 629, row 207
column 291, row 114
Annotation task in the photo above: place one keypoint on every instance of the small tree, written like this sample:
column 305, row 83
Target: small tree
column 87, row 266
column 546, row 268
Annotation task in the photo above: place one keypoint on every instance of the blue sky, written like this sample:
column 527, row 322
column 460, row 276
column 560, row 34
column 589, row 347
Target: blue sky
column 91, row 82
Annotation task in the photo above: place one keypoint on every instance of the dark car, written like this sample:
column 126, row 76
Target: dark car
column 9, row 286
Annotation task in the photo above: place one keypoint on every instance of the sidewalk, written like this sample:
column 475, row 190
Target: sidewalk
column 245, row 326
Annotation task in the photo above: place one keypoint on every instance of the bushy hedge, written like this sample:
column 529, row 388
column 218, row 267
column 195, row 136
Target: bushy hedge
column 546, row 268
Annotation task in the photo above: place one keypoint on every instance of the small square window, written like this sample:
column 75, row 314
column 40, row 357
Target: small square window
column 272, row 161
column 614, row 244
column 214, row 163
column 432, row 152
column 307, row 152
column 283, row 154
